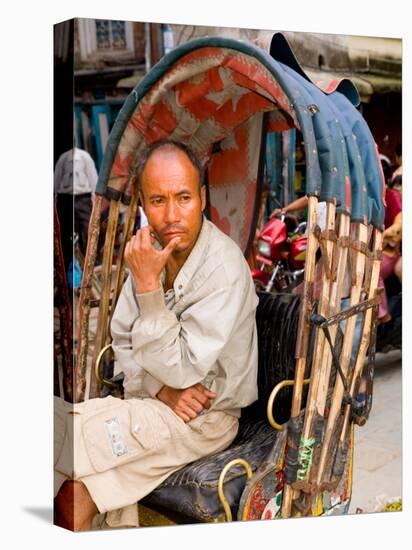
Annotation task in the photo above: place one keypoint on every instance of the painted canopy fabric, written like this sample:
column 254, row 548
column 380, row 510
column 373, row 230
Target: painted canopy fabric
column 220, row 97
column 365, row 196
column 210, row 96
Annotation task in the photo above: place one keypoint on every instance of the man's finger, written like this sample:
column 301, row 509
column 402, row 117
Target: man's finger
column 205, row 391
column 194, row 404
column 153, row 236
column 170, row 247
column 188, row 411
column 210, row 394
column 189, row 401
column 135, row 241
column 199, row 396
column 146, row 238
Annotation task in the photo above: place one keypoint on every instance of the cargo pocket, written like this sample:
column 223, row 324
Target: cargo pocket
column 120, row 434
column 149, row 427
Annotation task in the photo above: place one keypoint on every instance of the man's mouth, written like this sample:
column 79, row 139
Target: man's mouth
column 173, row 233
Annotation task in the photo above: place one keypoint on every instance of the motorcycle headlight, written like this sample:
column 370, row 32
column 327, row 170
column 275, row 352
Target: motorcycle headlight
column 264, row 248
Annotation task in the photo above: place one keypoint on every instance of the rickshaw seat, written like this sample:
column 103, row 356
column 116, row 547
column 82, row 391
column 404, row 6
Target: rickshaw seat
column 192, row 490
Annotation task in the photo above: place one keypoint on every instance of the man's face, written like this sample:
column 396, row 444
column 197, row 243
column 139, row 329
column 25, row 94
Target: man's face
column 171, row 198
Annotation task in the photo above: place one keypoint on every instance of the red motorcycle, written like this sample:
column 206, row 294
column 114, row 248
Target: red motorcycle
column 281, row 253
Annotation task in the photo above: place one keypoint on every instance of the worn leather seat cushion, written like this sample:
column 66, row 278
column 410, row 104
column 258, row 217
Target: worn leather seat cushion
column 192, row 491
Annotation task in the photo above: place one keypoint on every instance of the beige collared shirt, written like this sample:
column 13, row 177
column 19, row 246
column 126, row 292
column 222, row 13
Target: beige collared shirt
column 202, row 330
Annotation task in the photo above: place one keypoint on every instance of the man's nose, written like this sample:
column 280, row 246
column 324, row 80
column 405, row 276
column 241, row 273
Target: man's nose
column 172, row 212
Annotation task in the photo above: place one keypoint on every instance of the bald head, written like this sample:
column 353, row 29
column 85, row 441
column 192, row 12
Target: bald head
column 169, row 148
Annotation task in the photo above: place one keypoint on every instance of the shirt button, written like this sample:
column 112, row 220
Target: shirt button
column 136, row 428
column 180, row 287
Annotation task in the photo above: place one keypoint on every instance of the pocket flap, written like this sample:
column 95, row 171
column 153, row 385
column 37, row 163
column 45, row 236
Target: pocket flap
column 147, row 426
column 108, row 438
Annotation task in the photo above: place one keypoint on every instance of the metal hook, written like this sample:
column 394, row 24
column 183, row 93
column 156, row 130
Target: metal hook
column 222, row 498
column 275, row 391
column 99, row 377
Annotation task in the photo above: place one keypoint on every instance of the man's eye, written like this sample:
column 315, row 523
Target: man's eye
column 185, row 198
column 156, row 201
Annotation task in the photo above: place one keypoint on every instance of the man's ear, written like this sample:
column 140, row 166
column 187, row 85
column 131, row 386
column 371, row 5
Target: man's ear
column 203, row 197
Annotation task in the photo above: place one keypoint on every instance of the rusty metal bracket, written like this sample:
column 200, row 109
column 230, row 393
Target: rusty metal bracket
column 360, row 246
column 346, row 313
column 344, row 242
column 376, row 255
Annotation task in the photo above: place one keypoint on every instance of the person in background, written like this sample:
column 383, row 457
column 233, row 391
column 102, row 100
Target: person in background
column 398, row 159
column 300, row 204
column 75, row 179
column 386, row 168
column 392, row 241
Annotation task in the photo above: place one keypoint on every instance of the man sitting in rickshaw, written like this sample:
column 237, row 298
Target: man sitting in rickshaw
column 184, row 335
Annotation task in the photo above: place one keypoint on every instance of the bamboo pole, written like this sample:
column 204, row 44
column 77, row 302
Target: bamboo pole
column 336, row 289
column 335, row 300
column 316, row 369
column 64, row 307
column 102, row 320
column 364, row 343
column 56, row 377
column 84, row 299
column 358, row 267
column 127, row 233
column 302, row 337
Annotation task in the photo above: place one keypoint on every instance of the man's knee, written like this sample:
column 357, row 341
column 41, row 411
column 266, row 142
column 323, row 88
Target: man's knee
column 74, row 506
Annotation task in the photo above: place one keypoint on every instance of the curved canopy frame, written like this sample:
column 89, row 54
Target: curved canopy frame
column 211, row 93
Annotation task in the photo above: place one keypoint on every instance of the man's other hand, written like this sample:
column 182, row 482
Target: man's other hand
column 187, row 403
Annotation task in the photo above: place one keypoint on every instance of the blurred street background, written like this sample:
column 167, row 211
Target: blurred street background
column 377, row 469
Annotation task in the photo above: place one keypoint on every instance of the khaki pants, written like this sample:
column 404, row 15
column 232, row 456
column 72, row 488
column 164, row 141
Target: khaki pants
column 123, row 449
